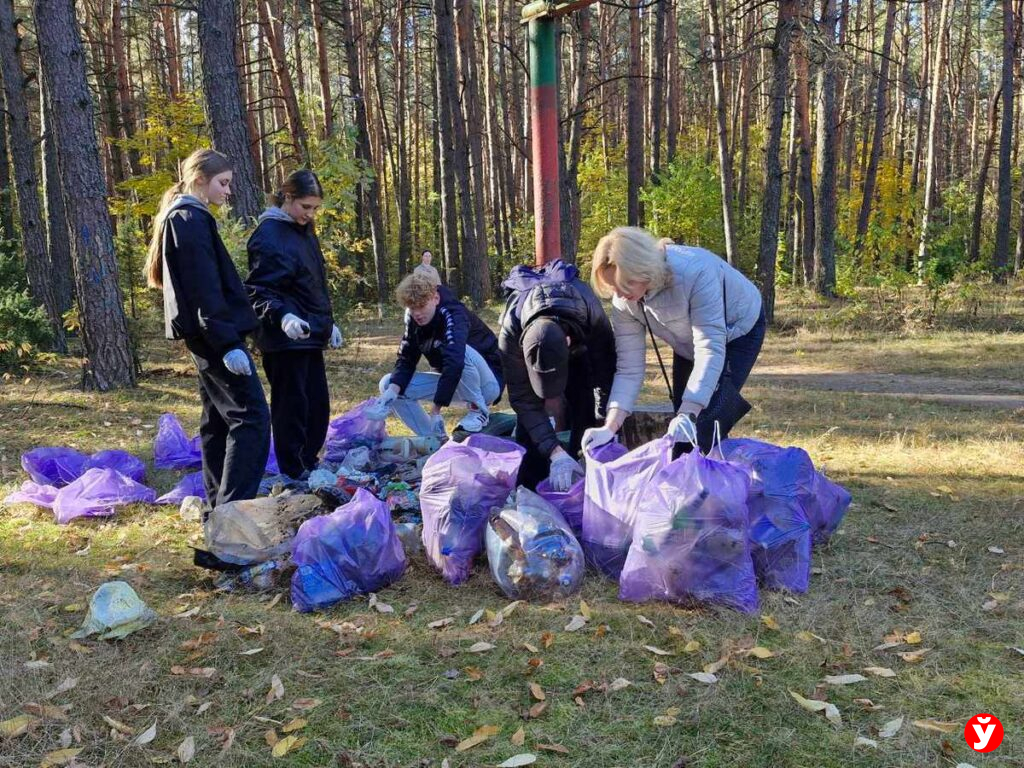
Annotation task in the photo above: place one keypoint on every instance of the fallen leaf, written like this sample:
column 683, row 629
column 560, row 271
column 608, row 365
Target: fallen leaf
column 575, row 624
column 519, row 738
column 913, row 657
column 526, row 758
column 199, row 641
column 558, row 749
column 661, row 672
column 880, row 671
column 204, row 672
column 275, row 601
column 304, row 705
column 117, row 725
column 379, row 606
column 703, row 677
column 474, row 674
column 538, row 709
column 664, row 721
column 531, row 648
column 990, row 605
column 618, row 684
column 68, row 684
column 868, row 705
column 472, row 619
column 807, row 637
column 997, row 550
column 657, row 651
column 37, row 664
column 716, row 666
column 944, row 489
column 60, row 757
column 692, row 647
column 294, row 725
column 509, row 609
column 537, row 692
column 844, row 679
column 936, row 725
column 186, row 750
column 271, row 738
column 645, row 621
column 204, row 707
column 813, row 705
column 480, row 735
column 440, row 623
column 146, row 736
column 481, row 647
column 46, row 711
column 585, row 610
column 769, row 621
column 17, row 726
column 860, row 741
column 891, row 728
column 547, row 639
column 287, row 744
column 914, row 638
column 760, row 652
column 276, row 689
column 251, row 652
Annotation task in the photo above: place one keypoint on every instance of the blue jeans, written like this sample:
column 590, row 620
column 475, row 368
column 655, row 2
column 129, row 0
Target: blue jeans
column 478, row 388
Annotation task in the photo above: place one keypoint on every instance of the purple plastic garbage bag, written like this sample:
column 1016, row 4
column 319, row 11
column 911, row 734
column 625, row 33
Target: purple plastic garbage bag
column 97, row 493
column 33, row 493
column 690, row 541
column 172, row 448
column 827, row 508
column 121, row 461
column 614, row 480
column 352, row 551
column 54, row 466
column 569, row 503
column 462, row 484
column 354, row 429
column 189, row 485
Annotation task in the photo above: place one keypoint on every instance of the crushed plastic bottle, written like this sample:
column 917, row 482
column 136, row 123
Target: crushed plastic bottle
column 257, row 578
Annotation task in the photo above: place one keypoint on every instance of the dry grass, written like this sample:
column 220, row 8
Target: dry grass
column 934, row 487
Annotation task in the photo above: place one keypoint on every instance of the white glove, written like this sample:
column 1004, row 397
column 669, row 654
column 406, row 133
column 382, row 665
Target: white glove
column 437, row 428
column 595, row 437
column 237, row 362
column 294, row 327
column 388, row 396
column 683, row 428
column 564, row 469
column 336, row 338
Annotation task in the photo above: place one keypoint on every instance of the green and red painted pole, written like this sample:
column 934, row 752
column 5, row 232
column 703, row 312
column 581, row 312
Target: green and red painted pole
column 544, row 134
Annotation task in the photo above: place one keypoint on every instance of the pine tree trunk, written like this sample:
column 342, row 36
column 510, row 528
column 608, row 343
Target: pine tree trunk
column 881, row 108
column 108, row 346
column 635, row 125
column 273, row 29
column 769, row 240
column 125, row 100
column 169, row 22
column 1005, row 184
column 724, row 158
column 402, row 127
column 223, row 103
column 658, row 86
column 571, row 215
column 825, row 236
column 674, row 85
column 444, row 181
column 58, row 241
column 26, row 183
column 934, row 120
column 322, row 68
column 974, row 249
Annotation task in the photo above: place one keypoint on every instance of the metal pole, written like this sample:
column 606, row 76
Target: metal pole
column 544, row 133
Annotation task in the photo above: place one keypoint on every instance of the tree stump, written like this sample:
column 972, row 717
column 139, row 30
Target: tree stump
column 646, row 423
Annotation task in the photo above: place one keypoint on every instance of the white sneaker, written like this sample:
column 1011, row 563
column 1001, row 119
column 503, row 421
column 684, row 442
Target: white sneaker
column 474, row 421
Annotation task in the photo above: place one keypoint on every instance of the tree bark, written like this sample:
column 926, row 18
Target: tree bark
column 724, row 156
column 881, row 109
column 22, row 154
column 826, row 221
column 108, row 346
column 934, row 120
column 769, row 240
column 402, row 182
column 58, row 241
column 273, row 29
column 125, row 100
column 1005, row 184
column 658, row 86
column 571, row 215
column 169, row 22
column 635, row 125
column 974, row 249
column 223, row 103
column 322, row 67
column 674, row 85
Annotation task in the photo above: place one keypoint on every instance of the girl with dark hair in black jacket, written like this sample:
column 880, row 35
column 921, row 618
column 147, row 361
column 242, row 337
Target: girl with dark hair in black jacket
column 287, row 286
column 206, row 306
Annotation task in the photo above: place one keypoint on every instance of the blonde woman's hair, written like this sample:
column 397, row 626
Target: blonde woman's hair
column 201, row 166
column 415, row 290
column 626, row 254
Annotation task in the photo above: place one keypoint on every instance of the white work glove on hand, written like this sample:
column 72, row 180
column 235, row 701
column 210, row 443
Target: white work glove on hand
column 437, row 428
column 595, row 437
column 294, row 327
column 336, row 338
column 237, row 362
column 388, row 396
column 564, row 470
column 683, row 428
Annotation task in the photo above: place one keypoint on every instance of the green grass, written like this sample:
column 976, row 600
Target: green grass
column 934, row 487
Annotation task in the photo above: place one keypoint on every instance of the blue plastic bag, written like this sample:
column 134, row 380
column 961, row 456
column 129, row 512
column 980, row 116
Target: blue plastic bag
column 352, row 551
column 614, row 479
column 121, row 461
column 96, row 493
column 532, row 552
column 172, row 448
column 462, row 484
column 354, row 429
column 54, row 466
column 189, row 485
column 690, row 541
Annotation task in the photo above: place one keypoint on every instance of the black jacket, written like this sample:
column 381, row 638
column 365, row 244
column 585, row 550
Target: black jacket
column 554, row 292
column 204, row 300
column 443, row 342
column 287, row 274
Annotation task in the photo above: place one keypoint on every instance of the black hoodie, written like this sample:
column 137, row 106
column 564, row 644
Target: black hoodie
column 443, row 342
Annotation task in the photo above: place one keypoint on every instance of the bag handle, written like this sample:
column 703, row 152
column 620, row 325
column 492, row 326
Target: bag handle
column 657, row 351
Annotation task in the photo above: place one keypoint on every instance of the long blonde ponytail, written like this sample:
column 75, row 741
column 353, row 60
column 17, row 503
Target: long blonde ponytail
column 201, row 166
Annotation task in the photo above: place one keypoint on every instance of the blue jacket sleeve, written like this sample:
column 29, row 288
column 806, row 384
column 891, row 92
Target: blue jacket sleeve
column 455, row 325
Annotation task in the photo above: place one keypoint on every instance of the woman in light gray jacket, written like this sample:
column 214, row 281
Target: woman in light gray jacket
column 708, row 313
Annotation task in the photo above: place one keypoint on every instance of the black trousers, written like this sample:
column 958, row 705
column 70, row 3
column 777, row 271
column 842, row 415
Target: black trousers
column 234, row 429
column 580, row 414
column 300, row 407
column 740, row 356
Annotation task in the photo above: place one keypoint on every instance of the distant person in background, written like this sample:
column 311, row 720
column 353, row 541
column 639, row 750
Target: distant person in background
column 287, row 286
column 427, row 269
column 206, row 306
